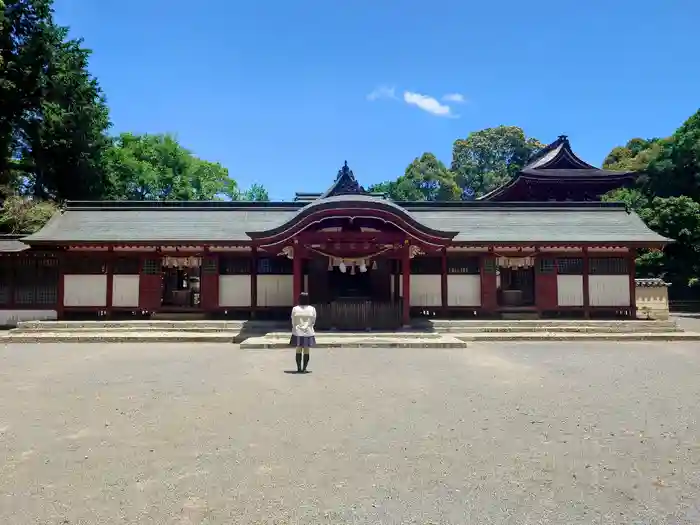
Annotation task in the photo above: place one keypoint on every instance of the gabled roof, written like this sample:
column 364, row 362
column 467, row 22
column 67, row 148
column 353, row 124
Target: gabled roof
column 557, row 163
column 223, row 222
column 345, row 184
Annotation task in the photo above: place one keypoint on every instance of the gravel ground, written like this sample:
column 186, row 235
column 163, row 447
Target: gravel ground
column 524, row 433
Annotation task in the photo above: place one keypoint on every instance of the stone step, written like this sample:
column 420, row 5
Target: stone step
column 148, row 324
column 356, row 340
column 449, row 341
column 119, row 337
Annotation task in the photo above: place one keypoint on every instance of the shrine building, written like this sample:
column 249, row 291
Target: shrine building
column 543, row 244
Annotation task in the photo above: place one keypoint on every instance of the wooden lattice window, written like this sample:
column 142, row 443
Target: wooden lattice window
column 36, row 281
column 126, row 266
column 6, row 278
column 275, row 266
column 152, row 266
column 547, row 265
column 426, row 265
column 85, row 264
column 609, row 266
column 234, row 265
column 489, row 265
column 570, row 266
column 210, row 266
column 463, row 265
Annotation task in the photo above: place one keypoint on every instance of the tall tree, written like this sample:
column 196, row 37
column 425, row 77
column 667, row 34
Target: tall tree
column 53, row 118
column 157, row 167
column 425, row 179
column 489, row 158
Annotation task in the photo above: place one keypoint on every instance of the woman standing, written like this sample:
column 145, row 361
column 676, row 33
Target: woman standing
column 303, row 335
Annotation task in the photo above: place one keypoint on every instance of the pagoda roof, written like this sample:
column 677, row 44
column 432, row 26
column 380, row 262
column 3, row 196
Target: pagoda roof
column 558, row 163
column 226, row 222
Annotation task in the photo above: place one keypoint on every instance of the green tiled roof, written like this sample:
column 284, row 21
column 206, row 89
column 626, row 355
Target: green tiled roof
column 475, row 222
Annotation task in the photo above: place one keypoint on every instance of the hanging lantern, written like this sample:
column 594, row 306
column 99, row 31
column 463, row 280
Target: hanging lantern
column 330, row 264
column 352, row 269
column 342, row 267
column 374, row 265
column 363, row 267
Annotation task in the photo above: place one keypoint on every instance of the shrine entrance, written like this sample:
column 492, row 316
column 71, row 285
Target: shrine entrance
column 516, row 278
column 353, row 294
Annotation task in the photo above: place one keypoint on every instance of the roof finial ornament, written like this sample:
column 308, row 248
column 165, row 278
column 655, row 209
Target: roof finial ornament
column 563, row 138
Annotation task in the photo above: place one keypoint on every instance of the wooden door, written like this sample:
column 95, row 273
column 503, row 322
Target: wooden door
column 546, row 284
column 151, row 284
column 209, row 283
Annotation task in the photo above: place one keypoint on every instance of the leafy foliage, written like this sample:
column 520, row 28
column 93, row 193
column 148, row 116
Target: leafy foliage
column 489, row 158
column 425, row 179
column 667, row 198
column 25, row 215
column 157, row 167
column 256, row 192
column 54, row 122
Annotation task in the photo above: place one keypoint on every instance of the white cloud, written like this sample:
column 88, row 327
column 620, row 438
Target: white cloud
column 457, row 98
column 427, row 103
column 382, row 92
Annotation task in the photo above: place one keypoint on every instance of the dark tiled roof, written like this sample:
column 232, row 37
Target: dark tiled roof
column 477, row 222
column 11, row 243
column 558, row 162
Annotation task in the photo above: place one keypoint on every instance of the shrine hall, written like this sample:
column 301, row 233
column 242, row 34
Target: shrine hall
column 542, row 245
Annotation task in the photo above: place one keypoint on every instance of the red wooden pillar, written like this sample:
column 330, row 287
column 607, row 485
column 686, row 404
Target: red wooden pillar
column 406, row 271
column 253, row 281
column 546, row 294
column 298, row 277
column 443, row 282
column 109, row 270
column 633, row 285
column 209, row 283
column 489, row 285
column 151, row 283
column 586, row 285
column 61, row 286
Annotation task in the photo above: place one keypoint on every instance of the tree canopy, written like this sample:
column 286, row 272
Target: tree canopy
column 667, row 198
column 54, row 131
column 489, row 158
column 481, row 163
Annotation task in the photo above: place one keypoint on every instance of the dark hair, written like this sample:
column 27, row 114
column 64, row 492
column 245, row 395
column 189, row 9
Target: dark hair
column 303, row 298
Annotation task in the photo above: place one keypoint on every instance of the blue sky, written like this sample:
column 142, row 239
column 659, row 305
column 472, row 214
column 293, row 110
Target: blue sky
column 278, row 91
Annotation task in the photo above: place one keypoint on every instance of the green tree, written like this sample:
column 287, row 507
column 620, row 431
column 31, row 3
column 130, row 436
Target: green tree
column 157, row 167
column 489, row 158
column 256, row 192
column 425, row 179
column 53, row 117
column 675, row 170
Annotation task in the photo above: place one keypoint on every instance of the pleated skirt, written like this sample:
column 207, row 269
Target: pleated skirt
column 302, row 341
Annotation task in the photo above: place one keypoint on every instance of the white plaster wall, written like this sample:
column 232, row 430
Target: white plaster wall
column 426, row 290
column 463, row 290
column 276, row 290
column 609, row 290
column 12, row 317
column 85, row 290
column 570, row 290
column 234, row 290
column 125, row 290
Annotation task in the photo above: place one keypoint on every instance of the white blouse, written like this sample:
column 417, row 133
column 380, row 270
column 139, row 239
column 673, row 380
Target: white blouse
column 303, row 320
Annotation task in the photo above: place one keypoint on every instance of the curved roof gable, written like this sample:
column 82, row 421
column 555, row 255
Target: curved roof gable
column 355, row 204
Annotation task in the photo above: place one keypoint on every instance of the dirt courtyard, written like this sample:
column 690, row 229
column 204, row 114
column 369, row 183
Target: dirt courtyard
column 560, row 433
